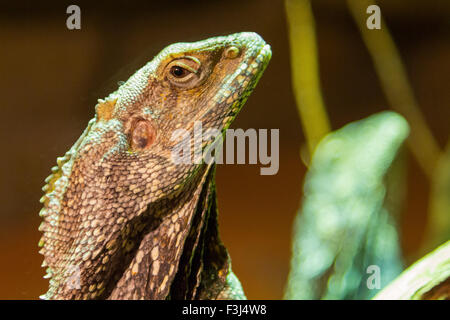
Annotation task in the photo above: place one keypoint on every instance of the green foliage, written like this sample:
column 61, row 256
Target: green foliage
column 344, row 226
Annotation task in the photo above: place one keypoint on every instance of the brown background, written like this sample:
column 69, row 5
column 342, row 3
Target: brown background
column 51, row 79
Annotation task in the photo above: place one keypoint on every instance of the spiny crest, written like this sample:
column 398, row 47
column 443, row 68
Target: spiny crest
column 52, row 241
column 105, row 109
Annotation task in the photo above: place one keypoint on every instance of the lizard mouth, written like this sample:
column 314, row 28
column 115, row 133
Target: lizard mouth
column 238, row 85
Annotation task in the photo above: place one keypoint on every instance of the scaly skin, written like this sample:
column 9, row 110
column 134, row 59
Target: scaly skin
column 121, row 219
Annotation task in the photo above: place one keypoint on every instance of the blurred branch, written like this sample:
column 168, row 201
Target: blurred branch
column 427, row 279
column 305, row 72
column 395, row 85
column 438, row 229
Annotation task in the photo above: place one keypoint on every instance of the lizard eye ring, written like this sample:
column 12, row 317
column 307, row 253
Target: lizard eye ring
column 182, row 72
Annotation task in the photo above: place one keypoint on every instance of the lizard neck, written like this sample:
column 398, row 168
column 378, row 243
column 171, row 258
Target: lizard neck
column 205, row 266
column 148, row 271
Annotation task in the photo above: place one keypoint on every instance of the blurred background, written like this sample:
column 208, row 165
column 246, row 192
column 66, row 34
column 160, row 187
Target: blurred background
column 51, row 78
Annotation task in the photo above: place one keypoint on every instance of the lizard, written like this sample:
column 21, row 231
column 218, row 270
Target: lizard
column 121, row 219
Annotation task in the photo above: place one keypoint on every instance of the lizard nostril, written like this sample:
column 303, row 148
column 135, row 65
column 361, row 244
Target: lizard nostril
column 231, row 52
column 143, row 135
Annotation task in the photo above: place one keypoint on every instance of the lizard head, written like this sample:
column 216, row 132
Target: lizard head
column 206, row 81
column 121, row 165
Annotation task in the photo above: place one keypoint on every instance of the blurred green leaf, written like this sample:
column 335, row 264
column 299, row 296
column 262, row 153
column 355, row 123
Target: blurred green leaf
column 343, row 226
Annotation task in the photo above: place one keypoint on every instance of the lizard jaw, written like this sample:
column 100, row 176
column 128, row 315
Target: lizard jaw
column 238, row 85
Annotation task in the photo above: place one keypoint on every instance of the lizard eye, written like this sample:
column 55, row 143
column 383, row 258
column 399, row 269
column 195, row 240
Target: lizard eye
column 179, row 72
column 184, row 72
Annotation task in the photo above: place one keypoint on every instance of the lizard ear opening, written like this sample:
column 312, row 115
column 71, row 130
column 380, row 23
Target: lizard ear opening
column 143, row 135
